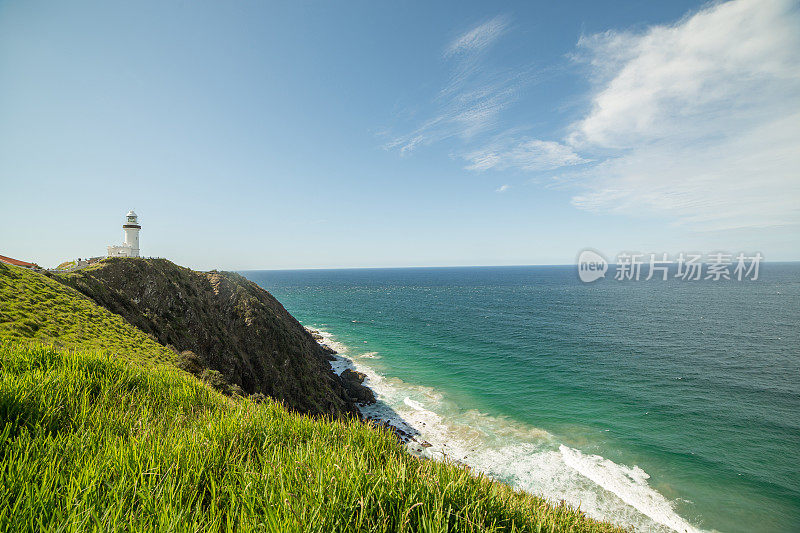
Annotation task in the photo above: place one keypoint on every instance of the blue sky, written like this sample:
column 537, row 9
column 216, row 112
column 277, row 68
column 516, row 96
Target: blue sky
column 297, row 134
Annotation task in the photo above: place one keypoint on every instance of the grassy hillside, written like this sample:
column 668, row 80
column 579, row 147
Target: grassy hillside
column 35, row 307
column 88, row 442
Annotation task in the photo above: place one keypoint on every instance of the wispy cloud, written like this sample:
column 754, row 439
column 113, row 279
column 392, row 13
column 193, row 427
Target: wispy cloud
column 465, row 113
column 526, row 154
column 502, row 188
column 474, row 95
column 479, row 37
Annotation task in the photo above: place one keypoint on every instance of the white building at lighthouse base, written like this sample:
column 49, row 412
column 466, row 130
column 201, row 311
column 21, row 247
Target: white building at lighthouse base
column 121, row 250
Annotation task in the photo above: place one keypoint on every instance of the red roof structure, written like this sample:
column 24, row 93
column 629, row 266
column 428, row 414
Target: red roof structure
column 17, row 262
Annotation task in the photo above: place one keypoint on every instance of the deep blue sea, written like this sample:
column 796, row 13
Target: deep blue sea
column 666, row 405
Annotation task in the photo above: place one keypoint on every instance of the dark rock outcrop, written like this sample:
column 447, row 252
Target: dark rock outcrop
column 353, row 384
column 225, row 328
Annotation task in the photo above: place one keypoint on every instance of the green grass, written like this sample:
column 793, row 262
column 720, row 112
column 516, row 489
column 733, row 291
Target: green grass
column 36, row 308
column 94, row 436
column 88, row 442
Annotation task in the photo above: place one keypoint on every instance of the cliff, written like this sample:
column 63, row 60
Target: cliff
column 228, row 331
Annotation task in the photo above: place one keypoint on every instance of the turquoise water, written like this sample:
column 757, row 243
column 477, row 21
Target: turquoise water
column 661, row 404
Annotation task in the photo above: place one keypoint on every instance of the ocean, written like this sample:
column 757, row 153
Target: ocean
column 663, row 405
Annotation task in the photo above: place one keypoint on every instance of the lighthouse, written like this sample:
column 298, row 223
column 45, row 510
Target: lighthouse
column 130, row 245
column 131, row 229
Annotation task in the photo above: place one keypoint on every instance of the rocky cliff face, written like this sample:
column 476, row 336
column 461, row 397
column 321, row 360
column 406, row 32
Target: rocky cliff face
column 229, row 331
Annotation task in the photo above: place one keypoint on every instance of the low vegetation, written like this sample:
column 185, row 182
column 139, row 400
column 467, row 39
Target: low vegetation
column 36, row 308
column 94, row 436
column 90, row 442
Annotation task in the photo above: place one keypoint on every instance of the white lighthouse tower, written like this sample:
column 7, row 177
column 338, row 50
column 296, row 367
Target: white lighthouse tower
column 130, row 245
column 131, row 229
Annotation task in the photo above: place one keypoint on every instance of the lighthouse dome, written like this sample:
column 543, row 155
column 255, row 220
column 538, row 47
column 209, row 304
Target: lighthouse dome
column 131, row 213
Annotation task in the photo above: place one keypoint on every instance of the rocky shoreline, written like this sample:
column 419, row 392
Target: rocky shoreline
column 353, row 382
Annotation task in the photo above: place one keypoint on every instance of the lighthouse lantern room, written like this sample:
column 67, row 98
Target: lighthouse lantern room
column 130, row 245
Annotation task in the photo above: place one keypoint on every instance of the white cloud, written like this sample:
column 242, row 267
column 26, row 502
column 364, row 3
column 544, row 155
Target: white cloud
column 701, row 117
column 529, row 154
column 502, row 188
column 478, row 38
column 749, row 179
column 684, row 80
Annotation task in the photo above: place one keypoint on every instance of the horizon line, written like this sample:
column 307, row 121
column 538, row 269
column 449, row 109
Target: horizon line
column 448, row 266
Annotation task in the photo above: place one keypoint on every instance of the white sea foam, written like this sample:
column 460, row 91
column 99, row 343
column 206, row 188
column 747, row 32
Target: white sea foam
column 526, row 457
column 629, row 483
